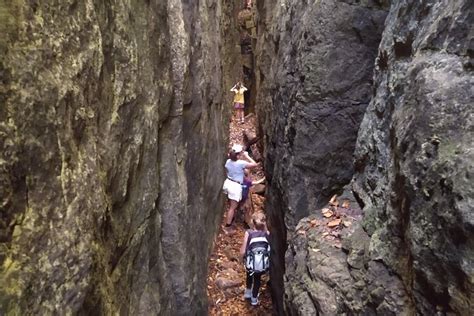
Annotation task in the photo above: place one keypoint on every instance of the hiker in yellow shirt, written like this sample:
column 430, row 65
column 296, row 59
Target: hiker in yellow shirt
column 239, row 90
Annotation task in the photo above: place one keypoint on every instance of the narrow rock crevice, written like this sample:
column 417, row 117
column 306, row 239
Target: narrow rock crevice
column 114, row 125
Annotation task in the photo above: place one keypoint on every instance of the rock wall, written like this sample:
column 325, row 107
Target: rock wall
column 413, row 253
column 314, row 68
column 113, row 122
column 333, row 271
column 415, row 152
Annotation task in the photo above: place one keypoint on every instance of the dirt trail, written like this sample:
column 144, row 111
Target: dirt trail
column 226, row 279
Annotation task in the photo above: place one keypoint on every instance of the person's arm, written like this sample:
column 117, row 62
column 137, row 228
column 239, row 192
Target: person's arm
column 258, row 181
column 233, row 89
column 252, row 163
column 244, row 245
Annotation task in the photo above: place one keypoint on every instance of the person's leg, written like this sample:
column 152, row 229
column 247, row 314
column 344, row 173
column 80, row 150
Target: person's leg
column 256, row 284
column 248, row 286
column 241, row 204
column 230, row 212
column 249, row 280
column 256, row 287
column 236, row 112
column 242, row 115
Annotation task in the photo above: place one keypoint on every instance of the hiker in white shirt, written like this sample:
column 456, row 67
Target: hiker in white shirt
column 235, row 178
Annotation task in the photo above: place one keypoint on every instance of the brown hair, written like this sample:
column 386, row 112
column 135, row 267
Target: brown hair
column 259, row 220
column 233, row 155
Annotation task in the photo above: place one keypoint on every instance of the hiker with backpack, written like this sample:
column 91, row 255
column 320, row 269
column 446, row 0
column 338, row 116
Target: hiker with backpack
column 235, row 178
column 255, row 250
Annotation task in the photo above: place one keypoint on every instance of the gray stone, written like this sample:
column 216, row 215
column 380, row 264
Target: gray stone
column 314, row 68
column 334, row 285
column 415, row 152
column 413, row 155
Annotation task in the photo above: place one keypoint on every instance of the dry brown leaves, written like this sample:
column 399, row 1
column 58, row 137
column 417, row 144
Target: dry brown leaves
column 335, row 219
column 334, row 223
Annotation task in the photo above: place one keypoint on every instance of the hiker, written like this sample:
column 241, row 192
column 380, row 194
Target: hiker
column 245, row 207
column 247, row 184
column 239, row 103
column 255, row 250
column 235, row 177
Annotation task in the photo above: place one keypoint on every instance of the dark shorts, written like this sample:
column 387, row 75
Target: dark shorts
column 238, row 105
column 245, row 192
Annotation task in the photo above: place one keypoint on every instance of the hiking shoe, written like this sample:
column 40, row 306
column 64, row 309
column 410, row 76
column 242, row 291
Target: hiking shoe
column 248, row 293
column 254, row 301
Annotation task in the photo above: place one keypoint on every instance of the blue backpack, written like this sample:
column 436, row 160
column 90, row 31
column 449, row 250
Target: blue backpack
column 257, row 257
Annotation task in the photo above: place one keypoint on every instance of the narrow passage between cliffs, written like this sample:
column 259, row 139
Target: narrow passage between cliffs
column 226, row 276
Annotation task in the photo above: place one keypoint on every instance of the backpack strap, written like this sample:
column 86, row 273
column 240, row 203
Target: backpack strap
column 257, row 236
column 258, row 239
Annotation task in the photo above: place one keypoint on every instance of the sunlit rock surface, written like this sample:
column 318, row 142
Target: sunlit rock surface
column 113, row 126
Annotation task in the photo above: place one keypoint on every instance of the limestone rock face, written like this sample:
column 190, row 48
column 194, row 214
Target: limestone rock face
column 314, row 68
column 113, row 122
column 414, row 157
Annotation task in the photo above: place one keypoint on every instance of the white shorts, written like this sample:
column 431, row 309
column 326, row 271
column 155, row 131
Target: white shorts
column 233, row 190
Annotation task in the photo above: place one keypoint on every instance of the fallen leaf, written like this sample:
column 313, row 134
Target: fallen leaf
column 325, row 234
column 333, row 200
column 301, row 232
column 315, row 249
column 328, row 214
column 347, row 223
column 314, row 222
column 334, row 223
column 346, row 204
column 338, row 245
